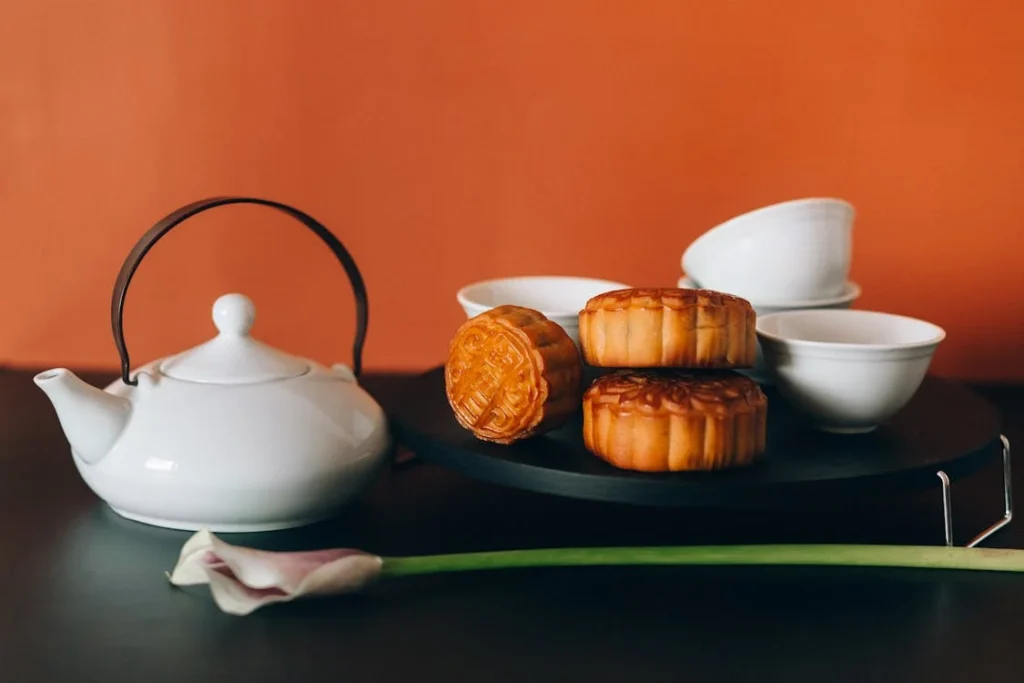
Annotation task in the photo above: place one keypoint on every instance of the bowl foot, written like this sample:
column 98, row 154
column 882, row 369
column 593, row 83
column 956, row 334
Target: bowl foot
column 228, row 528
column 762, row 378
column 832, row 429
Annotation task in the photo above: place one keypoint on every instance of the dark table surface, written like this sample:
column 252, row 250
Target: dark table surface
column 84, row 596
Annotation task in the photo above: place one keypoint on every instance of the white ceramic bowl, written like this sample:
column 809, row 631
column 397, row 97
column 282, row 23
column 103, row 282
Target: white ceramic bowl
column 847, row 370
column 798, row 250
column 559, row 297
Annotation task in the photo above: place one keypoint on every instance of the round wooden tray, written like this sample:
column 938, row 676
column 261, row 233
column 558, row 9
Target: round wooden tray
column 944, row 427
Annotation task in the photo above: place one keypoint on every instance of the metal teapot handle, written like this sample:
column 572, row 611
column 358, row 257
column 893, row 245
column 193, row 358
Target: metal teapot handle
column 154, row 234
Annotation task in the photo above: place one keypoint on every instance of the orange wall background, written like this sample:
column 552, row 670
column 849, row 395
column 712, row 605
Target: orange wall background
column 445, row 142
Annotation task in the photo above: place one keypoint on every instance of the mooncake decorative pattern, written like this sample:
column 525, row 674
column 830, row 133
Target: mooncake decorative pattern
column 674, row 420
column 511, row 374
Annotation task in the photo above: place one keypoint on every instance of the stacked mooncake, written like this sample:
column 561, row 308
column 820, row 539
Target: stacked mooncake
column 673, row 402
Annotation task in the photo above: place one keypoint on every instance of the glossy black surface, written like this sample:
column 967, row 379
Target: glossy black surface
column 84, row 597
column 945, row 426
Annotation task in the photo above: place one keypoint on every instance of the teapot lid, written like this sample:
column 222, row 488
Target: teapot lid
column 233, row 357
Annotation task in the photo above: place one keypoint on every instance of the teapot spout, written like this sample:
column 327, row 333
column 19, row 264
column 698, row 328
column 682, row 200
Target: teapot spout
column 92, row 419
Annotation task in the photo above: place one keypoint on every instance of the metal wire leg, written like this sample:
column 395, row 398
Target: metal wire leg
column 947, row 507
column 947, row 504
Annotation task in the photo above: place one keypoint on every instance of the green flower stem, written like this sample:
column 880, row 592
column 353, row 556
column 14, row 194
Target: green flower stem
column 928, row 557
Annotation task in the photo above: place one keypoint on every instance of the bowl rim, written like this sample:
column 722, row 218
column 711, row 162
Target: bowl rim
column 938, row 336
column 705, row 236
column 463, row 294
column 851, row 292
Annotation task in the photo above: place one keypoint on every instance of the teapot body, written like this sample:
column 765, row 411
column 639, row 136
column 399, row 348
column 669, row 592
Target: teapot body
column 240, row 457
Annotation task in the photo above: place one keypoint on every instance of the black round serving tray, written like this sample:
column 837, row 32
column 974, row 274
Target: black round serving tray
column 944, row 427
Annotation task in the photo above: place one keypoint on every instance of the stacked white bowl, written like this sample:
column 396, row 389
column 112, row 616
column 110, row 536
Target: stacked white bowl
column 846, row 370
column 794, row 255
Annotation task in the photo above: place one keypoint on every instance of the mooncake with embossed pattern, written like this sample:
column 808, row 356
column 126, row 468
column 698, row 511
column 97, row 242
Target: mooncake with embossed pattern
column 511, row 374
column 673, row 420
column 668, row 327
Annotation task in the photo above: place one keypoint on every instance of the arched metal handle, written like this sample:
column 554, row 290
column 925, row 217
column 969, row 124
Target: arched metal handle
column 154, row 234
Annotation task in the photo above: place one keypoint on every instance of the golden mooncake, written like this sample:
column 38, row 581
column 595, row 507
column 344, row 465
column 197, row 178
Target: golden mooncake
column 673, row 420
column 511, row 374
column 668, row 327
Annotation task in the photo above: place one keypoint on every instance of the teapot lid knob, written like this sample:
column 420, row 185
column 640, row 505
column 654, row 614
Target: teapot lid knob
column 233, row 357
column 233, row 314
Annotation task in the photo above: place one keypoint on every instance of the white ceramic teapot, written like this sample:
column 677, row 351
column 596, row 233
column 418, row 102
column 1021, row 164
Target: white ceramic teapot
column 232, row 435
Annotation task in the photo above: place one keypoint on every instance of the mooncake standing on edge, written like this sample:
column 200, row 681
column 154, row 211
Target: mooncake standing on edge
column 670, row 421
column 668, row 327
column 512, row 374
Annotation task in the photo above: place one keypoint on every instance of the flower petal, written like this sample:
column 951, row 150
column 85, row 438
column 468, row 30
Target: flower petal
column 244, row 579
